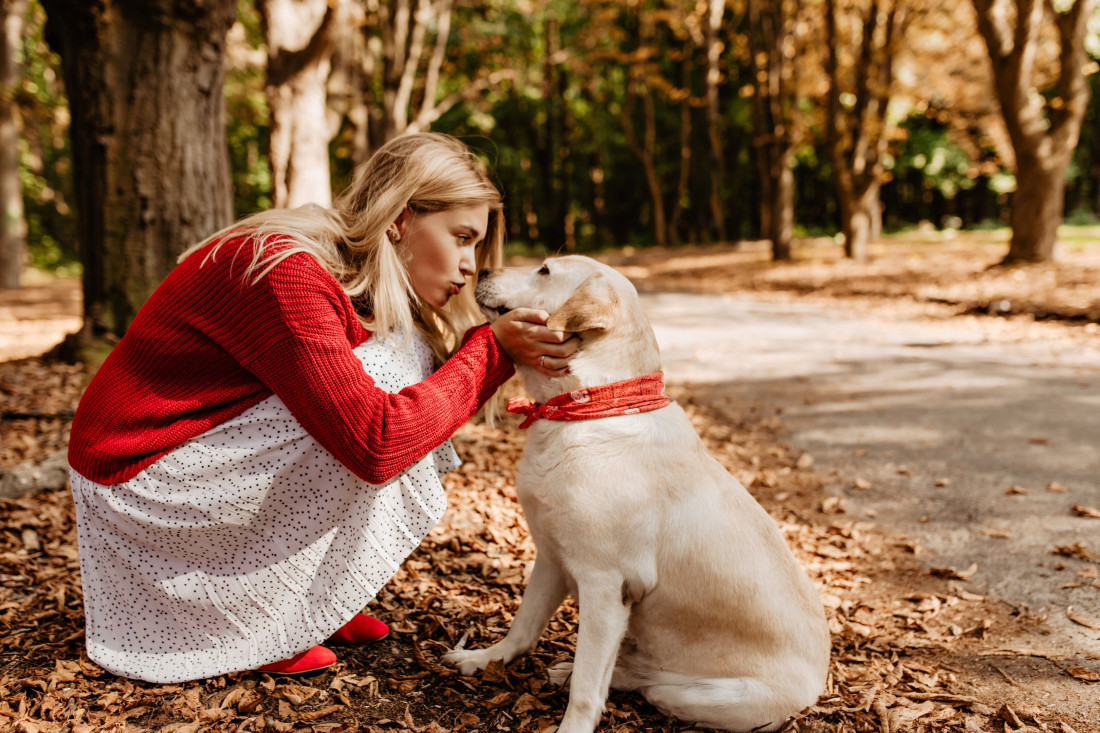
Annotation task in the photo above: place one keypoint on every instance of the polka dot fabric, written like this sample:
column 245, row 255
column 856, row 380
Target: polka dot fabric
column 249, row 543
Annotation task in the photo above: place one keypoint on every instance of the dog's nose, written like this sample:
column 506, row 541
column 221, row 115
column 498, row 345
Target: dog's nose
column 483, row 272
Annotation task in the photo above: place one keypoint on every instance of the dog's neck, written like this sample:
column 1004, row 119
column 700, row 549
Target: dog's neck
column 603, row 358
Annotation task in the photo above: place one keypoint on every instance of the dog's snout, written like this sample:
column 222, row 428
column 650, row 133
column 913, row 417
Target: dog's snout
column 483, row 272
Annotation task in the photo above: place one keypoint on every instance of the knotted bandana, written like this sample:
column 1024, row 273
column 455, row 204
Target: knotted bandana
column 630, row 396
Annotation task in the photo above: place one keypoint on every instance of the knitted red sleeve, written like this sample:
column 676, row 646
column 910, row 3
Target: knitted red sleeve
column 307, row 360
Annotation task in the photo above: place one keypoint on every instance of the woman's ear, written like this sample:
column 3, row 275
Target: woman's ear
column 593, row 306
column 397, row 230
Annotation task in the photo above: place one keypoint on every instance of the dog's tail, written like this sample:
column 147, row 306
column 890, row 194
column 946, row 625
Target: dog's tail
column 741, row 704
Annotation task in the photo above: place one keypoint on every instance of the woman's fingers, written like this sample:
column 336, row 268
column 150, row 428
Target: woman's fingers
column 553, row 366
column 527, row 341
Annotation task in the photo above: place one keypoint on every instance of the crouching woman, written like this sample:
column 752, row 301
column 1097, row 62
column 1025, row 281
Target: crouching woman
column 264, row 447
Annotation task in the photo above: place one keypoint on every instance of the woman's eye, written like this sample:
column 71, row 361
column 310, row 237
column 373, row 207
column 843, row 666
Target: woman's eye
column 544, row 270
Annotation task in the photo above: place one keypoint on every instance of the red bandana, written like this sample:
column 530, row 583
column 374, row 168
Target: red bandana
column 640, row 394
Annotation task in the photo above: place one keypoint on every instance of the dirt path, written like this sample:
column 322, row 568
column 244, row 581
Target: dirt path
column 975, row 444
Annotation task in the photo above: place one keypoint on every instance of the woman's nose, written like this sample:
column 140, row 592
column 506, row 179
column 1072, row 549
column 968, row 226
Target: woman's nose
column 467, row 263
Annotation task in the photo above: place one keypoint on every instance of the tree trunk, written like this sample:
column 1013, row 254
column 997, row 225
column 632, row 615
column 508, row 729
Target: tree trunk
column 715, row 11
column 781, row 206
column 13, row 235
column 1043, row 134
column 150, row 157
column 1037, row 209
column 685, row 158
column 299, row 34
column 860, row 212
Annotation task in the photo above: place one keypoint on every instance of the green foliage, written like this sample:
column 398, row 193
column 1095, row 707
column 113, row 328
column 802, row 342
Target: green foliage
column 248, row 124
column 942, row 165
column 45, row 159
column 568, row 79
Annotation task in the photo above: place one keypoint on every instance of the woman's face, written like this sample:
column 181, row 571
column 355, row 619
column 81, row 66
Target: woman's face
column 440, row 247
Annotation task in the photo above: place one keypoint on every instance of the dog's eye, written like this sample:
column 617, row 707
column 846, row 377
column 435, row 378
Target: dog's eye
column 544, row 270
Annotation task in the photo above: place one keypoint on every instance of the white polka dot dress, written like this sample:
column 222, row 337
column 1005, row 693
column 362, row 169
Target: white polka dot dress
column 249, row 543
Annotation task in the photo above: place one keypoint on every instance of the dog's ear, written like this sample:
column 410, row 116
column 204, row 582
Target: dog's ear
column 594, row 306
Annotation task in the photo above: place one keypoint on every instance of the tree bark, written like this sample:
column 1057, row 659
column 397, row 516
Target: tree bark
column 715, row 11
column 646, row 151
column 1037, row 209
column 150, row 160
column 856, row 135
column 13, row 234
column 773, row 108
column 299, row 37
column 685, row 157
column 781, row 206
column 1043, row 134
column 860, row 218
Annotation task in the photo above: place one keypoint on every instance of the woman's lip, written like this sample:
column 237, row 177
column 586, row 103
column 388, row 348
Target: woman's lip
column 455, row 287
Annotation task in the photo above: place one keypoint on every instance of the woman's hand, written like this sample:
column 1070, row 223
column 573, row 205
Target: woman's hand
column 527, row 341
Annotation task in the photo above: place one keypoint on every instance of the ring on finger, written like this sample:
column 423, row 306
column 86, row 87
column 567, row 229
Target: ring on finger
column 542, row 361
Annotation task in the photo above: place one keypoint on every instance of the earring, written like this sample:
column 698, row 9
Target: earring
column 394, row 235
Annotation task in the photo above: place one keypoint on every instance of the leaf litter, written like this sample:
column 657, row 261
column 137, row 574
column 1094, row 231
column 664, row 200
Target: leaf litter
column 905, row 641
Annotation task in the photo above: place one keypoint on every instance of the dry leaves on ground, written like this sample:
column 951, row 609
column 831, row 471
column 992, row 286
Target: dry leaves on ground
column 908, row 650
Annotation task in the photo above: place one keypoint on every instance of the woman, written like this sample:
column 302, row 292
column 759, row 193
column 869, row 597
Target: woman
column 243, row 485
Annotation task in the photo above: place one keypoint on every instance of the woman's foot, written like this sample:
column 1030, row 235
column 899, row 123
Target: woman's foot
column 360, row 630
column 311, row 660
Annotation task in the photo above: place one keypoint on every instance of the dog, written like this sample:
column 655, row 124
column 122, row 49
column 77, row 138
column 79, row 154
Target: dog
column 686, row 590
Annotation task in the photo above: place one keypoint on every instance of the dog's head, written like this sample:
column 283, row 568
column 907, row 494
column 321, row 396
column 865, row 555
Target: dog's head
column 588, row 298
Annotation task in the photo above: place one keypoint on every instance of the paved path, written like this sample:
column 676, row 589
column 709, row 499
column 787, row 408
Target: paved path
column 903, row 405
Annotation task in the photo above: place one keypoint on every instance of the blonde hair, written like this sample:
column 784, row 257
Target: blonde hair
column 424, row 172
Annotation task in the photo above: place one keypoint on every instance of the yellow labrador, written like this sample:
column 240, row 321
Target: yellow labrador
column 686, row 590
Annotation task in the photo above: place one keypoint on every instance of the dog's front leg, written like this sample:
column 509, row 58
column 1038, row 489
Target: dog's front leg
column 604, row 615
column 545, row 592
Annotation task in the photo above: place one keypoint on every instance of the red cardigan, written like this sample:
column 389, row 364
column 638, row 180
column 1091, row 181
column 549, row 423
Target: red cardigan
column 206, row 347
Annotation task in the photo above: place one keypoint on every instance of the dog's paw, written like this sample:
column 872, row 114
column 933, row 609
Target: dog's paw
column 560, row 673
column 468, row 661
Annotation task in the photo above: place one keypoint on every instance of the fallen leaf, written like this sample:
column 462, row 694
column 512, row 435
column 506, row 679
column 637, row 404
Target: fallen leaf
column 862, row 484
column 1016, row 652
column 1086, row 511
column 1057, row 487
column 1009, row 716
column 1083, row 673
column 943, row 482
column 997, row 532
column 1039, row 441
column 1081, row 619
column 527, row 702
column 320, row 712
column 1020, row 491
column 1077, row 549
column 955, row 574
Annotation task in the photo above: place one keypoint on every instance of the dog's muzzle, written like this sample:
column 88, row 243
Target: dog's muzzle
column 487, row 298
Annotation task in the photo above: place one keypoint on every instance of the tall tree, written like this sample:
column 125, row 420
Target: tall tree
column 150, row 163
column 13, row 228
column 388, row 70
column 714, row 46
column 775, row 43
column 1044, row 132
column 300, row 39
column 863, row 39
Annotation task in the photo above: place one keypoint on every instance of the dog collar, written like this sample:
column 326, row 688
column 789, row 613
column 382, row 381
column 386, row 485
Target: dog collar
column 630, row 396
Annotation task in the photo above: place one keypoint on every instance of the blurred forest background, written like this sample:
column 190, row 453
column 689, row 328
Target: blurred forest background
column 130, row 130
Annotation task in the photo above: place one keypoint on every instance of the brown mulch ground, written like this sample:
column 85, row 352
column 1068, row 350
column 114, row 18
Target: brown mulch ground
column 911, row 650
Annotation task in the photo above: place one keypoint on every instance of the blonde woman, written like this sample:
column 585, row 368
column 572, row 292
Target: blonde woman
column 264, row 446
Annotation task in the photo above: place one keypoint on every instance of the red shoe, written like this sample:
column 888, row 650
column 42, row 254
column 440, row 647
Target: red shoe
column 311, row 660
column 360, row 630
